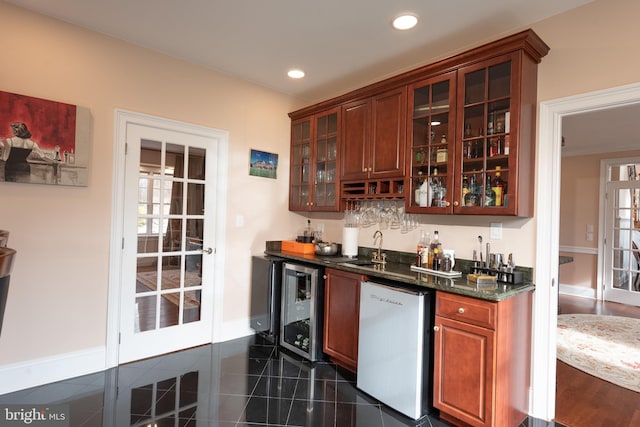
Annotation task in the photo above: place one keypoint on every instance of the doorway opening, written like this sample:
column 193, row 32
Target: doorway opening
column 543, row 378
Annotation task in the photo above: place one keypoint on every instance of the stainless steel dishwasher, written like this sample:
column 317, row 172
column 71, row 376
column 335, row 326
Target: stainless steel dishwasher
column 395, row 347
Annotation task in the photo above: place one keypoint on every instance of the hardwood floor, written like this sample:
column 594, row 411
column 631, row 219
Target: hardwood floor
column 584, row 400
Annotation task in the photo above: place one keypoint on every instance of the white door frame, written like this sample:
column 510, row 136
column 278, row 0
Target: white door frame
column 122, row 119
column 545, row 301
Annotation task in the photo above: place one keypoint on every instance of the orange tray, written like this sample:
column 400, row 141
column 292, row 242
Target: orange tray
column 297, row 247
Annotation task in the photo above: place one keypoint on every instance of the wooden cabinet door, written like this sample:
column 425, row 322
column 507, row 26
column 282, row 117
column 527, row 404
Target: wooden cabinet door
column 463, row 371
column 341, row 317
column 326, row 143
column 387, row 151
column 356, row 124
column 300, row 173
column 431, row 144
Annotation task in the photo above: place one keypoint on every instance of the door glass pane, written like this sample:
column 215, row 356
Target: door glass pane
column 474, row 87
column 175, row 160
column 500, row 80
column 169, row 304
column 195, row 199
column 145, row 313
column 196, row 163
column 191, row 311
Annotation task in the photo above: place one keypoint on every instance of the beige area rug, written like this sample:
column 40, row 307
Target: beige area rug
column 607, row 347
column 171, row 280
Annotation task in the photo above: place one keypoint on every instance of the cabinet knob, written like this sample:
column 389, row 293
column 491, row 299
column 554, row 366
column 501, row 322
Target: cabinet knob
column 448, row 204
column 436, row 328
column 461, row 310
column 364, row 169
column 456, row 203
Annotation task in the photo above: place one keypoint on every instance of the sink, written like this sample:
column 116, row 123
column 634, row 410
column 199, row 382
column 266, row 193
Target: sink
column 7, row 256
column 358, row 263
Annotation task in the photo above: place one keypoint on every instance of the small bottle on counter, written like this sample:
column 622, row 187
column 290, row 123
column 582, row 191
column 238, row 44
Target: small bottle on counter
column 423, row 244
column 435, row 252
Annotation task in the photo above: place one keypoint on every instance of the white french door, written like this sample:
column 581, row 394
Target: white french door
column 168, row 224
column 622, row 235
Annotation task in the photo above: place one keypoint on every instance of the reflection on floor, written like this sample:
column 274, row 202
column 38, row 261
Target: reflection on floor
column 244, row 382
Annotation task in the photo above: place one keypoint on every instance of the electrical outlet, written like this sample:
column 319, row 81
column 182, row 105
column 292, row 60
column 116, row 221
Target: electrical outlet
column 496, row 231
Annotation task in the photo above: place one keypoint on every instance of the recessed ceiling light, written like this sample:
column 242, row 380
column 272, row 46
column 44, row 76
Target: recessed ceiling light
column 296, row 74
column 405, row 21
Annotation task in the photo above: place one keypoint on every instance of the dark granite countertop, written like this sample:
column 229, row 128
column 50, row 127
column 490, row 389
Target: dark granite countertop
column 398, row 270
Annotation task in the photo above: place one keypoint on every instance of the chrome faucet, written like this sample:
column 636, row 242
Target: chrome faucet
column 378, row 257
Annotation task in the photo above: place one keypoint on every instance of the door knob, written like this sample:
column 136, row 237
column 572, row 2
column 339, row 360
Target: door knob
column 436, row 328
column 207, row 251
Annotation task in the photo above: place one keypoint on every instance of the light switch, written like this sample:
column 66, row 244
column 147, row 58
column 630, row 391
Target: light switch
column 496, row 231
column 589, row 228
column 239, row 221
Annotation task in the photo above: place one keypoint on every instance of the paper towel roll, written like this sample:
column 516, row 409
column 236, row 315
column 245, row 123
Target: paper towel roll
column 350, row 241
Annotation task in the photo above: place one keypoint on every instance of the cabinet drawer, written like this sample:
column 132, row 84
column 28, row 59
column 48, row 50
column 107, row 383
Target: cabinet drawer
column 465, row 309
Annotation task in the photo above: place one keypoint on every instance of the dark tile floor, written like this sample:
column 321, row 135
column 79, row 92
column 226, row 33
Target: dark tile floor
column 244, row 382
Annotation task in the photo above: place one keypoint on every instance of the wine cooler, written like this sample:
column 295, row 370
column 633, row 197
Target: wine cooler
column 302, row 308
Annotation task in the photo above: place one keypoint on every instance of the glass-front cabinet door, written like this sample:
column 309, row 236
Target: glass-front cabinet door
column 487, row 162
column 299, row 183
column 314, row 157
column 326, row 158
column 432, row 144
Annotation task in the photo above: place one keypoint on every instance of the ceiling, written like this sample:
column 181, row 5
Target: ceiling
column 602, row 131
column 341, row 45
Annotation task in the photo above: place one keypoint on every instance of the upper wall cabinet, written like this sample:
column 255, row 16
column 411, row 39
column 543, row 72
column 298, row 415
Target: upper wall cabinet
column 315, row 145
column 495, row 153
column 453, row 137
column 374, row 137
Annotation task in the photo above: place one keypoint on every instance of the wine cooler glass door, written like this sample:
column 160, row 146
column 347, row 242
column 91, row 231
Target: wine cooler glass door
column 298, row 326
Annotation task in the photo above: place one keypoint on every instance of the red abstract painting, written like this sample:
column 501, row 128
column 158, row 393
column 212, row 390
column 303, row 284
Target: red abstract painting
column 51, row 123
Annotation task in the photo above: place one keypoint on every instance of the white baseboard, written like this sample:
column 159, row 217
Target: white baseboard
column 578, row 291
column 235, row 329
column 23, row 375
column 579, row 250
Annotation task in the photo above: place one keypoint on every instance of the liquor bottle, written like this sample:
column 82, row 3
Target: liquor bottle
column 498, row 188
column 465, row 186
column 437, row 190
column 424, row 196
column 472, row 198
column 490, row 122
column 422, row 248
column 489, row 194
column 435, row 252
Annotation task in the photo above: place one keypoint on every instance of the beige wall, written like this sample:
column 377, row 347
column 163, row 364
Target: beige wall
column 59, row 287
column 58, row 294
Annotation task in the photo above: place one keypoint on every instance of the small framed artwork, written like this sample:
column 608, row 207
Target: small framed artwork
column 263, row 164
